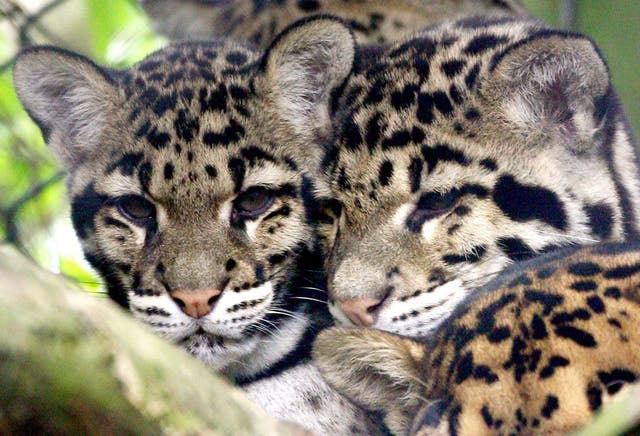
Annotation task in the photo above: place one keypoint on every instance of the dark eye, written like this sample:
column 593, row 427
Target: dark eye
column 431, row 205
column 252, row 203
column 135, row 208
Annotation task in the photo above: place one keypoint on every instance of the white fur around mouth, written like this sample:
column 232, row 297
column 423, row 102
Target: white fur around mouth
column 433, row 307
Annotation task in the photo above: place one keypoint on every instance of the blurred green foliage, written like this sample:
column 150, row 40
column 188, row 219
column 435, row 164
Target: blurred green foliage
column 117, row 33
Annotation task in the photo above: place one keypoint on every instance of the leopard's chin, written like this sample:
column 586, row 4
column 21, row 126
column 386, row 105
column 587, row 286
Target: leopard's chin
column 217, row 352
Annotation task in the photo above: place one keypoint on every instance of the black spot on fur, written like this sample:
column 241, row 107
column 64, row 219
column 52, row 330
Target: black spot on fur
column 211, row 171
column 351, row 134
column 551, row 405
column 521, row 280
column 596, row 304
column 236, row 58
column 417, row 135
column 548, row 300
column 473, row 257
column 454, row 418
column 84, row 208
column 424, row 111
column 579, row 336
column 482, row 43
column 568, row 317
column 554, row 362
column 538, row 328
column 230, row 265
column 527, row 202
column 442, row 153
column 453, row 67
column 309, row 5
column 613, row 292
column 622, row 272
column 473, row 114
column 186, row 127
column 168, row 171
column 486, row 316
column 164, row 103
column 255, row 154
column 455, row 94
column 143, row 129
column 232, row 133
column 127, row 164
column 399, row 138
column 237, row 169
column 483, row 372
column 584, row 286
column 376, row 92
column 600, row 220
column 415, row 174
column 404, row 98
column 214, row 99
column 499, row 334
column 238, row 92
column 465, row 367
column 442, row 103
column 145, row 172
column 594, row 394
column 518, row 359
column 158, row 139
column 584, row 269
column 115, row 287
column 472, row 76
column 374, row 130
column 515, row 248
column 486, row 416
column 385, row 173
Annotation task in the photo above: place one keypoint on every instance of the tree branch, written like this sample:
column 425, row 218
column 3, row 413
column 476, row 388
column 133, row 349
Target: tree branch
column 76, row 364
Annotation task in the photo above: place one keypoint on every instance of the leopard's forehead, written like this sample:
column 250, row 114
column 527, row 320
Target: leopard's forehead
column 421, row 101
column 191, row 64
column 192, row 125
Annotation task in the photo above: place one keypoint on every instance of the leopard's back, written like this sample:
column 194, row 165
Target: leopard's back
column 373, row 21
column 539, row 350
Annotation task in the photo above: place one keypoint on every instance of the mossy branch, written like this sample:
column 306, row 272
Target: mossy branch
column 71, row 363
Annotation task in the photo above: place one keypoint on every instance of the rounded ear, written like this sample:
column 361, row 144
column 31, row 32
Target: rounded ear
column 552, row 83
column 377, row 370
column 67, row 95
column 305, row 63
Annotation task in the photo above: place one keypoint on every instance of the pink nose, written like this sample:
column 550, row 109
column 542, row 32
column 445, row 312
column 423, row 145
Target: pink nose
column 196, row 303
column 361, row 311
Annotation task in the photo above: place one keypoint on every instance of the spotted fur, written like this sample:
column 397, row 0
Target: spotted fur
column 162, row 156
column 463, row 149
column 536, row 351
column 259, row 21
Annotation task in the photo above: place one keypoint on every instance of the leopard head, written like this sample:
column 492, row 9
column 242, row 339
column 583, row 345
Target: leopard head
column 466, row 148
column 191, row 183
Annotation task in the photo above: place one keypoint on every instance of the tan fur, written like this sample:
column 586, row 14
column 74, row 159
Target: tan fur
column 187, row 133
column 518, row 132
column 572, row 324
